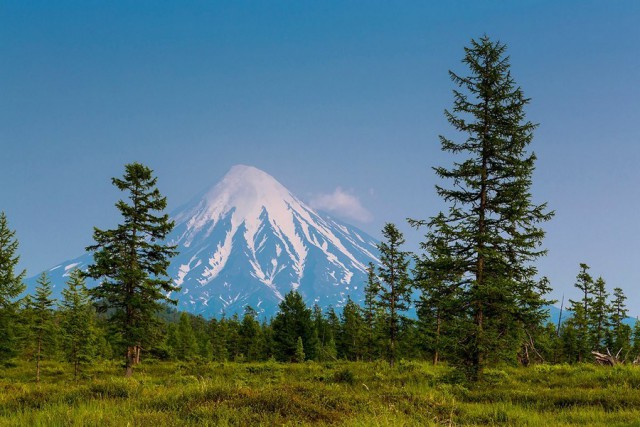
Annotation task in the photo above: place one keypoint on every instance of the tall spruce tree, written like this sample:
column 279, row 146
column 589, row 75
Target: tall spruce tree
column 131, row 262
column 491, row 229
column 394, row 286
column 11, row 287
column 78, row 323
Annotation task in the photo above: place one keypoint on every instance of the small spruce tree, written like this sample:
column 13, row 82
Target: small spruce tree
column 78, row 323
column 598, row 314
column 293, row 321
column 41, row 313
column 619, row 340
column 581, row 319
column 394, row 295
column 353, row 332
column 186, row 344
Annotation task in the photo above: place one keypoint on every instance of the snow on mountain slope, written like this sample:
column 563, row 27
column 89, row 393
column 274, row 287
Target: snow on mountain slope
column 248, row 240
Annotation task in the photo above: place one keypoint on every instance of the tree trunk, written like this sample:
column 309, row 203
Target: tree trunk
column 38, row 360
column 392, row 317
column 437, row 346
column 477, row 352
column 76, row 363
column 131, row 352
column 138, row 350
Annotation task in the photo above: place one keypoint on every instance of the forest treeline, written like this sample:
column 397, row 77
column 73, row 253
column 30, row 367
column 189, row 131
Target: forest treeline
column 71, row 329
column 475, row 288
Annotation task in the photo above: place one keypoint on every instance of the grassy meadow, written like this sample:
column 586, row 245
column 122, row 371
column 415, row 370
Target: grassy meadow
column 341, row 393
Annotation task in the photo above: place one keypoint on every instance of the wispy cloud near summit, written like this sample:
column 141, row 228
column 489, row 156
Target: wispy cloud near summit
column 342, row 203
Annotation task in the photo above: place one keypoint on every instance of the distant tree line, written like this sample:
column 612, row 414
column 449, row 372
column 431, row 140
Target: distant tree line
column 475, row 288
column 74, row 330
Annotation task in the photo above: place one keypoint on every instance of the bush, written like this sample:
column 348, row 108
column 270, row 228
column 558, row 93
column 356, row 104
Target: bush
column 344, row 376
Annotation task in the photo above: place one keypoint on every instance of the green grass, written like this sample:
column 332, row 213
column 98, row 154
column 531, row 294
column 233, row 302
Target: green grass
column 342, row 393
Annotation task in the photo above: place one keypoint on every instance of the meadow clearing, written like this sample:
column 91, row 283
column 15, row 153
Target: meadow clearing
column 317, row 394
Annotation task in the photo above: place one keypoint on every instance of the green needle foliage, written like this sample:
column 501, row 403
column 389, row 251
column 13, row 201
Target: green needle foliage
column 40, row 310
column 371, row 314
column 620, row 333
column 291, row 324
column 439, row 300
column 582, row 309
column 78, row 323
column 598, row 314
column 393, row 286
column 187, row 346
column 490, row 236
column 131, row 262
column 252, row 341
column 11, row 287
column 353, row 332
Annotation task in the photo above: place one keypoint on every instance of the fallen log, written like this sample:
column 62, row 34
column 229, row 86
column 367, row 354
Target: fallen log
column 607, row 359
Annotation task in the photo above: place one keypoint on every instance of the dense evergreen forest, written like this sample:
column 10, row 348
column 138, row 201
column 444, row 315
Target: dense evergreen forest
column 477, row 296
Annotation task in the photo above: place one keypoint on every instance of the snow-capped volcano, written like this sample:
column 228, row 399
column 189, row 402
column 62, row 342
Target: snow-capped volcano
column 248, row 241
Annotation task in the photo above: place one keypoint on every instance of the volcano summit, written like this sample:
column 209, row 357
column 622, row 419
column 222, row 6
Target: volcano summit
column 248, row 241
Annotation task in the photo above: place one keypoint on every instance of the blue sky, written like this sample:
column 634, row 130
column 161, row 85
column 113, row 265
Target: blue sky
column 340, row 101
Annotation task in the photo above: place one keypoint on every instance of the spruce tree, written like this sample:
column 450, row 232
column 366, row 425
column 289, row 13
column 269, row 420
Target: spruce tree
column 186, row 343
column 439, row 300
column 78, row 324
column 491, row 229
column 267, row 337
column 619, row 340
column 131, row 262
column 598, row 314
column 569, row 340
column 293, row 321
column 11, row 287
column 581, row 318
column 371, row 313
column 200, row 329
column 333, row 324
column 394, row 291
column 579, row 322
column 635, row 349
column 217, row 336
column 353, row 332
column 41, row 322
column 322, row 330
column 232, row 337
column 252, row 341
